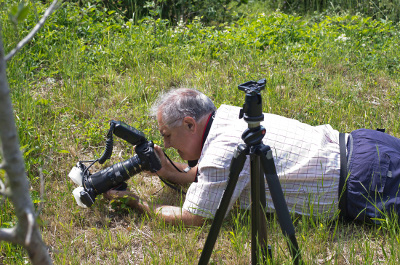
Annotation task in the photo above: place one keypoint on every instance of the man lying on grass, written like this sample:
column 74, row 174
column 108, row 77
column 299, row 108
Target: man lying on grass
column 307, row 160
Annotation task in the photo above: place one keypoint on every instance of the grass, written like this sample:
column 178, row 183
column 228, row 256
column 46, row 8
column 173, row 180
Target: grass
column 87, row 66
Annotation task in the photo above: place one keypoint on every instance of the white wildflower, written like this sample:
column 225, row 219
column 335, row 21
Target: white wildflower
column 342, row 38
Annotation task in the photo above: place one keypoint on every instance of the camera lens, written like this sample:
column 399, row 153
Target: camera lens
column 112, row 176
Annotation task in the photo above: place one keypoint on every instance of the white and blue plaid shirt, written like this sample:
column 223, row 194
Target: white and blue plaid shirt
column 306, row 157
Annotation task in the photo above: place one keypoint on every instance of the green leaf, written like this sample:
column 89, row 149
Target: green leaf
column 42, row 102
column 28, row 152
column 22, row 14
column 14, row 10
column 7, row 224
column 21, row 6
column 19, row 12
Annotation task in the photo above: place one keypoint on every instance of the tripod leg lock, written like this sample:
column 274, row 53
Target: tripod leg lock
column 269, row 155
column 266, row 151
column 243, row 150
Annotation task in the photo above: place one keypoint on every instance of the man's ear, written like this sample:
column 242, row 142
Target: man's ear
column 190, row 124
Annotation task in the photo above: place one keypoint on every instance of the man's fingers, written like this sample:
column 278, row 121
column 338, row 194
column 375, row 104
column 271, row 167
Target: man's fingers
column 159, row 150
column 114, row 194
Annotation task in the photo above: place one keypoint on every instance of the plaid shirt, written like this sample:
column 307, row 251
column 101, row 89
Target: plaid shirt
column 306, row 157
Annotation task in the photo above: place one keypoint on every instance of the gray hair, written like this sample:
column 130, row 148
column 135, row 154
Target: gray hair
column 179, row 103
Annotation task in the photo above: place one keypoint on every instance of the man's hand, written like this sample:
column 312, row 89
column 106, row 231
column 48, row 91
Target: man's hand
column 170, row 214
column 132, row 199
column 170, row 173
column 117, row 194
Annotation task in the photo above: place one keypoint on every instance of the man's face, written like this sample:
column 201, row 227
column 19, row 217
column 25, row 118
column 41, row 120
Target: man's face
column 183, row 138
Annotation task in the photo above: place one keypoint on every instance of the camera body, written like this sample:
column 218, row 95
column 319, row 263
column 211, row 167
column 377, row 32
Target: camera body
column 91, row 185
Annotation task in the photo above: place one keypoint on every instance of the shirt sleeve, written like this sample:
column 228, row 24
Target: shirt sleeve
column 203, row 198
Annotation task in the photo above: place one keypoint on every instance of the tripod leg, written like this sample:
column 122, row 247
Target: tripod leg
column 259, row 247
column 285, row 221
column 236, row 167
column 266, row 249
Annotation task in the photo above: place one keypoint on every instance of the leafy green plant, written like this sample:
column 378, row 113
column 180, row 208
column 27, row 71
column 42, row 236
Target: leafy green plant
column 173, row 10
column 378, row 9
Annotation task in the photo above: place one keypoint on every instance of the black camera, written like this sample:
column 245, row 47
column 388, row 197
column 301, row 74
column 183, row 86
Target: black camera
column 91, row 185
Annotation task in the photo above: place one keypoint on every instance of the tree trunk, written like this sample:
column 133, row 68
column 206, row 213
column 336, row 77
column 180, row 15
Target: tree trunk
column 26, row 232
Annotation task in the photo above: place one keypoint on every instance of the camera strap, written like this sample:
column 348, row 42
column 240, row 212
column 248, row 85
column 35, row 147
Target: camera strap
column 193, row 163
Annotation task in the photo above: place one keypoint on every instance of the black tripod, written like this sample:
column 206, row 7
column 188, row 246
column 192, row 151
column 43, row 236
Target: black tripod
column 252, row 113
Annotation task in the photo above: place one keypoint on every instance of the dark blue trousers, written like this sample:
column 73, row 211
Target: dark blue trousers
column 373, row 184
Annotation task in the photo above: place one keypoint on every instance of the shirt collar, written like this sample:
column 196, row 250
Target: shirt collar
column 210, row 120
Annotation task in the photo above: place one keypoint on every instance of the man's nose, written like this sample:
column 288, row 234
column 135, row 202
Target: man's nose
column 167, row 144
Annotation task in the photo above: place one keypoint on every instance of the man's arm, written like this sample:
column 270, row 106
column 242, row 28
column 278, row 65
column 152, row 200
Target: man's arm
column 170, row 214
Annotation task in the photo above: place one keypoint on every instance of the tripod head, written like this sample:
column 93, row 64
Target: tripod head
column 252, row 108
column 252, row 112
